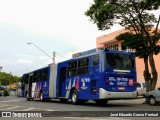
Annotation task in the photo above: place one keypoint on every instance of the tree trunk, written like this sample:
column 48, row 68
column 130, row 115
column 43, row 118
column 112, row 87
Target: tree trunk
column 153, row 80
column 147, row 75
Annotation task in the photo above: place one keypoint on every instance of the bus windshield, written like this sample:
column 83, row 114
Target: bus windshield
column 119, row 61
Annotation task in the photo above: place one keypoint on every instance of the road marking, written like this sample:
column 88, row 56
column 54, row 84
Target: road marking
column 39, row 108
column 12, row 107
column 9, row 107
column 50, row 110
column 5, row 105
column 28, row 109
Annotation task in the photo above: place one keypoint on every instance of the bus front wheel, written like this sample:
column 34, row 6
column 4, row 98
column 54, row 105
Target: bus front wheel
column 74, row 97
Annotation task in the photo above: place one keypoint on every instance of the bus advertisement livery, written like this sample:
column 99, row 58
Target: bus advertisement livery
column 99, row 76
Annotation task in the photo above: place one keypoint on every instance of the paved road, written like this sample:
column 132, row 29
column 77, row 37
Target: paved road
column 20, row 104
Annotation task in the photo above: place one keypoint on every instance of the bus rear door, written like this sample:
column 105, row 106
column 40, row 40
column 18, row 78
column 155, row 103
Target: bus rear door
column 62, row 79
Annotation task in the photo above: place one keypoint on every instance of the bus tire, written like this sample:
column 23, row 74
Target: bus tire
column 41, row 97
column 74, row 97
column 101, row 102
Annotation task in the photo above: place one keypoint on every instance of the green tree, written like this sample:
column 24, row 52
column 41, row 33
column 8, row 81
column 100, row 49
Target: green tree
column 7, row 78
column 135, row 15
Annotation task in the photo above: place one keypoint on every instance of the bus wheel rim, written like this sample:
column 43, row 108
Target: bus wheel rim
column 74, row 97
column 41, row 96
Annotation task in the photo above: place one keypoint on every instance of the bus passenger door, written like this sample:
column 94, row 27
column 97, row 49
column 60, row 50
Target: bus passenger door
column 62, row 79
column 30, row 86
column 95, row 73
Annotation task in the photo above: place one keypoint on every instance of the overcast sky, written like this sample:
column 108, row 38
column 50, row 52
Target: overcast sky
column 53, row 25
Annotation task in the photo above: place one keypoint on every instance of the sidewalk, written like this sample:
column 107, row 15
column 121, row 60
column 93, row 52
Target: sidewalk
column 138, row 100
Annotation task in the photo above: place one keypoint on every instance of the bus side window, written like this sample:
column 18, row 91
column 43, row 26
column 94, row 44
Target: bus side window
column 83, row 66
column 95, row 60
column 26, row 79
column 45, row 74
column 72, row 68
column 39, row 76
column 34, row 77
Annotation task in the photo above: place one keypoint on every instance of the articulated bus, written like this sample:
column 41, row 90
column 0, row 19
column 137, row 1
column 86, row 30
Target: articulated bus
column 99, row 76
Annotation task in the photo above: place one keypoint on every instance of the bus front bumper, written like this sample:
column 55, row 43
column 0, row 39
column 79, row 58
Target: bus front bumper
column 103, row 94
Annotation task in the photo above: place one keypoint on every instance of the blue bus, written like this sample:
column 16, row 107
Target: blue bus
column 100, row 76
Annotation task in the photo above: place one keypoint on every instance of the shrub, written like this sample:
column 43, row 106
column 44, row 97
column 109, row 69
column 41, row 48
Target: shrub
column 5, row 93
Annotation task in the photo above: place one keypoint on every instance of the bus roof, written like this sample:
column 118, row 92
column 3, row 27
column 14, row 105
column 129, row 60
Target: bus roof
column 83, row 55
column 35, row 70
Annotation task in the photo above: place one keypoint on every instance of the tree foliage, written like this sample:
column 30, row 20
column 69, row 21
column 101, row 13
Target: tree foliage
column 139, row 43
column 5, row 93
column 7, row 78
column 134, row 15
column 126, row 12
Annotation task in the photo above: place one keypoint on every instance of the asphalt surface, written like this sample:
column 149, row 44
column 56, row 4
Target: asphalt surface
column 69, row 111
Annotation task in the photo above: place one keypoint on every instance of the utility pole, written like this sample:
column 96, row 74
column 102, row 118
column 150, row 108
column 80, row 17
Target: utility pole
column 53, row 59
column 54, row 56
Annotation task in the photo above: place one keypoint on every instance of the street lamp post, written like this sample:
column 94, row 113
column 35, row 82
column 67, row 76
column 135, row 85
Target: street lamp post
column 53, row 59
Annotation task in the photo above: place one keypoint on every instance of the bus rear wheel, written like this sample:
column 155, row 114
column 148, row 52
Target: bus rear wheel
column 74, row 97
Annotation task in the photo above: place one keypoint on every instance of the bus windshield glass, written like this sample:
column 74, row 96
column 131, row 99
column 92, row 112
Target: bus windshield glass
column 119, row 61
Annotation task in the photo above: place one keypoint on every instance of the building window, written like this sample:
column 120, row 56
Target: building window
column 113, row 47
column 127, row 49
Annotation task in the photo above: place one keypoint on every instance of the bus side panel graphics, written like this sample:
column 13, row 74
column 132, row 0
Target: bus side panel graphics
column 36, row 88
column 88, row 89
column 84, row 87
column 70, row 85
column 45, row 89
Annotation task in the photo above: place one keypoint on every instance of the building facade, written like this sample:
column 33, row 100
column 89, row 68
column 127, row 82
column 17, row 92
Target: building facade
column 109, row 41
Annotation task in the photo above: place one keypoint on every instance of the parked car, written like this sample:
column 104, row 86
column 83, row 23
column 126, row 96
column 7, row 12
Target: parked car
column 141, row 89
column 153, row 97
column 1, row 90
